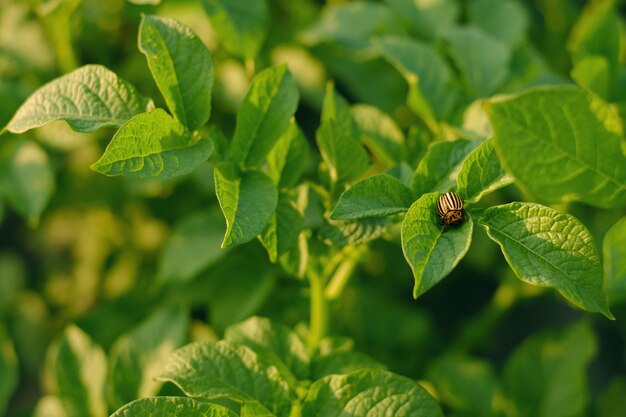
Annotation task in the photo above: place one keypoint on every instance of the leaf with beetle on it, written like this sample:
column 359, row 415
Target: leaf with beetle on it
column 431, row 249
column 548, row 248
column 88, row 98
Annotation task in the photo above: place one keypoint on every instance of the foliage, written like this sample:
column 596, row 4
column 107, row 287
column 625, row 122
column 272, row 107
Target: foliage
column 275, row 161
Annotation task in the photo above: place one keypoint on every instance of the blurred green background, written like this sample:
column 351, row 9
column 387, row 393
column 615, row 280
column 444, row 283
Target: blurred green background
column 106, row 253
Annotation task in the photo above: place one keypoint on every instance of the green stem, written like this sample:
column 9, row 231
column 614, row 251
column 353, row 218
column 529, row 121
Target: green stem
column 319, row 316
column 342, row 274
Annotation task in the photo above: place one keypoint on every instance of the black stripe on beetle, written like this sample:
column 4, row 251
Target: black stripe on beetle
column 450, row 209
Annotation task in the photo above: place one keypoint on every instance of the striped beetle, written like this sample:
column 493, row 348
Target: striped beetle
column 450, row 209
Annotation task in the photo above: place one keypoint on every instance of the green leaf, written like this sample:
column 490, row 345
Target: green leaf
column 343, row 154
column 287, row 160
column 481, row 173
column 9, row 372
column 426, row 17
column 597, row 32
column 341, row 362
column 239, row 288
column 614, row 254
column 468, row 386
column 241, row 26
column 371, row 393
column 153, row 146
column 380, row 134
column 482, row 60
column 593, row 74
column 264, row 115
column 349, row 24
column 193, row 246
column 181, row 66
column 438, row 169
column 561, row 144
column 504, row 20
column 376, row 196
column 87, row 98
column 26, row 177
column 425, row 71
column 431, row 250
column 248, row 200
column 228, row 370
column 548, row 248
column 138, row 356
column 274, row 342
column 283, row 228
column 172, row 406
column 78, row 372
column 334, row 106
column 353, row 232
column 547, row 375
column 254, row 409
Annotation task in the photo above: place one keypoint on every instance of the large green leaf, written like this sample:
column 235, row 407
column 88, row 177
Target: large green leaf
column 287, row 160
column 228, row 370
column 341, row 362
column 368, row 393
column 481, row 173
column 614, row 254
column 562, row 144
column 193, row 245
column 380, row 133
column 275, row 342
column 431, row 250
column 468, row 386
column 172, row 406
column 241, row 26
column 181, row 66
column 26, row 177
column 504, row 20
column 426, row 17
column 87, row 98
column 9, row 372
column 153, row 145
column 138, row 356
column 425, row 71
column 283, row 228
column 77, row 370
column 438, row 168
column 376, row 196
column 548, row 248
column 264, row 115
column 248, row 200
column 546, row 376
column 483, row 60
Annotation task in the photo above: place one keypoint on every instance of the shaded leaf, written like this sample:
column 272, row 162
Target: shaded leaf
column 380, row 133
column 504, row 20
column 172, row 406
column 287, row 160
column 283, row 228
column 614, row 254
column 353, row 232
column 241, row 26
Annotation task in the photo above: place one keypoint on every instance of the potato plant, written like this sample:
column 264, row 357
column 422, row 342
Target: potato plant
column 229, row 208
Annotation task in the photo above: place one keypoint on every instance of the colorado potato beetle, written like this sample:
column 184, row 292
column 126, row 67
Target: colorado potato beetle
column 450, row 209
